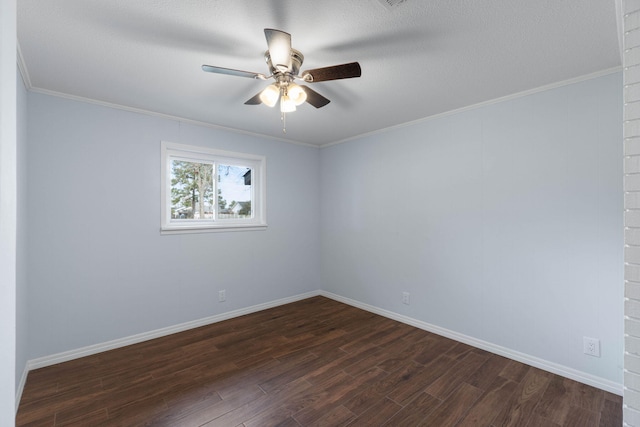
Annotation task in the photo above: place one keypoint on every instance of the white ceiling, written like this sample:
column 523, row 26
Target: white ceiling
column 418, row 59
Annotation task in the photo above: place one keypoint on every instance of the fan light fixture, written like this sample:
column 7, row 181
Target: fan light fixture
column 297, row 94
column 270, row 95
column 291, row 95
column 286, row 104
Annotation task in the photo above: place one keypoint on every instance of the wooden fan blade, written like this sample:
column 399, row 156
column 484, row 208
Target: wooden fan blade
column 255, row 100
column 279, row 45
column 343, row 71
column 314, row 98
column 232, row 72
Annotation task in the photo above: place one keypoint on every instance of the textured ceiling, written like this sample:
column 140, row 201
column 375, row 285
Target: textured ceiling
column 418, row 59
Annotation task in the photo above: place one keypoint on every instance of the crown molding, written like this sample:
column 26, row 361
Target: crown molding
column 483, row 104
column 22, row 68
column 24, row 73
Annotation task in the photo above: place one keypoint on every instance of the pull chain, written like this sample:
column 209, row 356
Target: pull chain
column 283, row 93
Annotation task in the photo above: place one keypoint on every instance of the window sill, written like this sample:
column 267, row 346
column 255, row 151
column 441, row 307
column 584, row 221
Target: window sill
column 190, row 229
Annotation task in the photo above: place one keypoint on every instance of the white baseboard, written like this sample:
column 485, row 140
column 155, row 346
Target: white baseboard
column 41, row 362
column 564, row 371
column 545, row 365
column 23, row 381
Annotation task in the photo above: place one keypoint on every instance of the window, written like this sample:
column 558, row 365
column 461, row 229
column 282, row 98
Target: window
column 211, row 190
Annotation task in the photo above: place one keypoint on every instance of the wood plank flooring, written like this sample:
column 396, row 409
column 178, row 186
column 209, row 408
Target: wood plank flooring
column 315, row 362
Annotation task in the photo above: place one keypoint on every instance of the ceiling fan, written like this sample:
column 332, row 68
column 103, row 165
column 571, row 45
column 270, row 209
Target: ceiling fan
column 284, row 65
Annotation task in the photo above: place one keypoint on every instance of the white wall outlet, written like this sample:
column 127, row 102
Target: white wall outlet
column 222, row 295
column 405, row 298
column 591, row 346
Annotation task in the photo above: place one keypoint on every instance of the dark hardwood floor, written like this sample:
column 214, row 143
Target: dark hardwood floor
column 315, row 362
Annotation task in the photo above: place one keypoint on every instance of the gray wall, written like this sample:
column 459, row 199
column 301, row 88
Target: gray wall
column 21, row 243
column 8, row 196
column 98, row 267
column 503, row 222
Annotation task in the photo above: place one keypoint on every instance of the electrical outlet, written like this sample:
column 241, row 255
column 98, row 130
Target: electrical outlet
column 222, row 296
column 591, row 346
column 405, row 298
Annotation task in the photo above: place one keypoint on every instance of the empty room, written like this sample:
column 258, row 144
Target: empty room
column 340, row 213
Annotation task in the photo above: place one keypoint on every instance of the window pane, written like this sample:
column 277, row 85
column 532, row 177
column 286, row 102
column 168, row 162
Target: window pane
column 209, row 190
column 191, row 190
column 234, row 192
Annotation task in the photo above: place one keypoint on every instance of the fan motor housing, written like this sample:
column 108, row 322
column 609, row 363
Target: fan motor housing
column 297, row 58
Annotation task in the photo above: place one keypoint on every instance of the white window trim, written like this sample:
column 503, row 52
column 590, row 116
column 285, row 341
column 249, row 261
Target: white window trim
column 171, row 150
